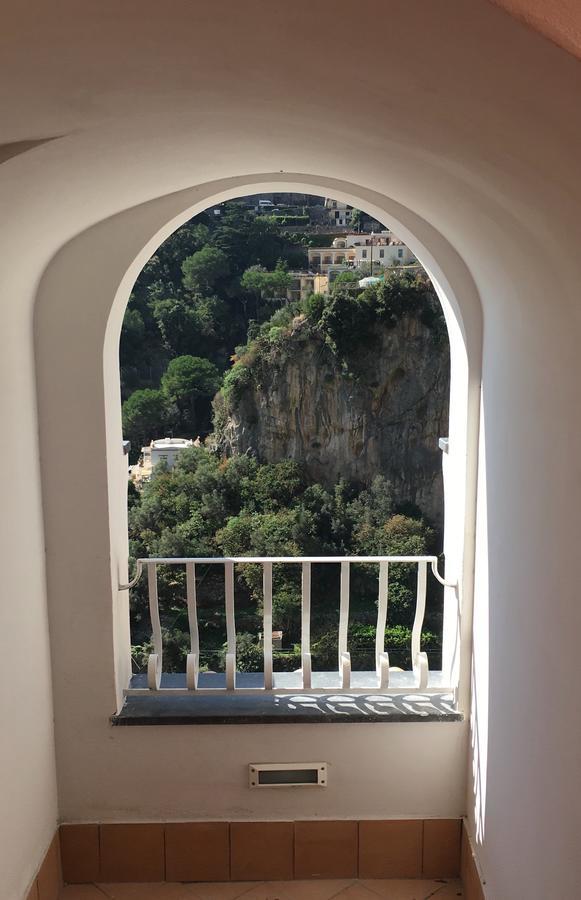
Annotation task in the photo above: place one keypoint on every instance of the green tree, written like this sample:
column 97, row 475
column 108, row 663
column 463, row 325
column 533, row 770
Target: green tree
column 162, row 274
column 265, row 285
column 190, row 324
column 249, row 653
column 215, row 251
column 275, row 486
column 133, row 328
column 313, row 307
column 146, row 413
column 344, row 279
column 346, row 321
column 177, row 323
column 187, row 382
column 356, row 219
column 204, row 269
column 397, row 536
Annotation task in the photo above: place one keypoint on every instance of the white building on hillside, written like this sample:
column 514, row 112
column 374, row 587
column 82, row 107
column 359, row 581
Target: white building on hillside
column 165, row 450
column 383, row 253
column 338, row 213
column 356, row 250
column 323, row 259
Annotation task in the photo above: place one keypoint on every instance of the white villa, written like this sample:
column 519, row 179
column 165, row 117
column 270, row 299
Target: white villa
column 165, row 450
column 355, row 250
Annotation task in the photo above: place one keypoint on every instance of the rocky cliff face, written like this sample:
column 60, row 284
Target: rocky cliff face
column 381, row 414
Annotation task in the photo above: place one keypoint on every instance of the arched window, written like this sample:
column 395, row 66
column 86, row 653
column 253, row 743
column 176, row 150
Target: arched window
column 194, row 268
column 107, row 538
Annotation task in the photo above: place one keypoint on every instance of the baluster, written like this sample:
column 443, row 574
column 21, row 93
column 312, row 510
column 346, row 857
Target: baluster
column 230, row 626
column 306, row 626
column 344, row 656
column 381, row 657
column 154, row 663
column 267, row 624
column 419, row 659
column 193, row 658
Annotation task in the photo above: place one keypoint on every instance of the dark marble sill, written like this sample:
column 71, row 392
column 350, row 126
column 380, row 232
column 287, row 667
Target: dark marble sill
column 280, row 709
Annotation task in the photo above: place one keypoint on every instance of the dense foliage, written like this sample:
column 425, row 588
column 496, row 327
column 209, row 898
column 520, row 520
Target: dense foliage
column 207, row 506
column 195, row 298
column 189, row 297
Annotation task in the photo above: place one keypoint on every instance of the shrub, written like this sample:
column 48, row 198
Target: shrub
column 236, row 380
column 249, row 653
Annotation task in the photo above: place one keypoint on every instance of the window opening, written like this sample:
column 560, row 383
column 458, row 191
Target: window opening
column 276, row 412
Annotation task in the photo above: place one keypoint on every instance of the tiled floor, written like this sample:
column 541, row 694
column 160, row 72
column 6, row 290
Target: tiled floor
column 270, row 890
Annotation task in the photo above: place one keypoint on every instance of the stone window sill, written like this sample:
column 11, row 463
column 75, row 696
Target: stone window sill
column 260, row 708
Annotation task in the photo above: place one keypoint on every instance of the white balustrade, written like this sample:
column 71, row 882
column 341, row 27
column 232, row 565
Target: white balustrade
column 193, row 657
column 230, row 625
column 344, row 656
column 306, row 625
column 419, row 659
column 154, row 665
column 383, row 679
column 267, row 623
column 381, row 657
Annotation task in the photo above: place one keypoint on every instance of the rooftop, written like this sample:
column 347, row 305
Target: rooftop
column 171, row 443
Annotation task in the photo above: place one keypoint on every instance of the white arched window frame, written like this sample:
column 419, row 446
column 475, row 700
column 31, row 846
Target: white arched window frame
column 115, row 250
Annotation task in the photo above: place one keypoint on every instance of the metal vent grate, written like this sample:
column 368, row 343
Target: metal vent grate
column 262, row 775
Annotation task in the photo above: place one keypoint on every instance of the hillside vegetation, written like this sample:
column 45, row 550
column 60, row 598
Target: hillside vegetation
column 212, row 347
column 210, row 506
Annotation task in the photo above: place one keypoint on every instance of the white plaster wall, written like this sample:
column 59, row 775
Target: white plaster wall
column 28, row 795
column 527, row 612
column 480, row 138
column 375, row 771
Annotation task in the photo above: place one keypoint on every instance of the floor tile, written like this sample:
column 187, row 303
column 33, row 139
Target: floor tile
column 220, row 890
column 408, row 889
column 448, row 891
column 356, row 891
column 81, row 892
column 298, row 890
column 141, row 891
column 314, row 890
column 269, row 890
column 331, row 889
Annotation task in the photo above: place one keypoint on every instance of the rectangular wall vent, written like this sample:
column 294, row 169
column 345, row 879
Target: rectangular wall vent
column 262, row 775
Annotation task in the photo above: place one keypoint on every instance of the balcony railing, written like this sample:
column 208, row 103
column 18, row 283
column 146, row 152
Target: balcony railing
column 418, row 679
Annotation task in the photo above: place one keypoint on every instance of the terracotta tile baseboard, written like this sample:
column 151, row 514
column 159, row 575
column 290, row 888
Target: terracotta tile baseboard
column 468, row 870
column 222, row 851
column 260, row 851
column 49, row 880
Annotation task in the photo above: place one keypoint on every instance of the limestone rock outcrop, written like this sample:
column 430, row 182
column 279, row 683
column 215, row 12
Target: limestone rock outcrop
column 381, row 414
